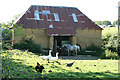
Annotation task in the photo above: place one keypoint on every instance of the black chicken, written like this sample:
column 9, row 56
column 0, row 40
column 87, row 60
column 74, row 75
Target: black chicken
column 39, row 68
column 70, row 64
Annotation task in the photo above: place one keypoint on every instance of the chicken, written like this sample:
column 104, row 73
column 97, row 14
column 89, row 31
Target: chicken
column 39, row 68
column 54, row 58
column 70, row 64
column 47, row 57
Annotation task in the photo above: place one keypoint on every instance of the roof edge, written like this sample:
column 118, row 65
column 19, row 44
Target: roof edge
column 21, row 15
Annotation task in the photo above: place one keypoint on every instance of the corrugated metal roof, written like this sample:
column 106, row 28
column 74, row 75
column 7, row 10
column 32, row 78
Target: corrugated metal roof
column 61, row 32
column 61, row 19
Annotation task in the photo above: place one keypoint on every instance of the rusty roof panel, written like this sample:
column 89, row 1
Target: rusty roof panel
column 64, row 25
column 61, row 32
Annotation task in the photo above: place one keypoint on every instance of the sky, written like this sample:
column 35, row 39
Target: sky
column 96, row 10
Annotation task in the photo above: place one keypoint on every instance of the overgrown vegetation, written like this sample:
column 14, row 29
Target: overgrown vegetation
column 6, row 38
column 7, row 30
column 21, row 64
column 110, row 42
column 28, row 44
column 103, row 22
column 109, row 45
column 111, row 55
column 93, row 50
column 106, row 23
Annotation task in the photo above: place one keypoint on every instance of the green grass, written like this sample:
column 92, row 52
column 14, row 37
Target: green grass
column 109, row 30
column 23, row 66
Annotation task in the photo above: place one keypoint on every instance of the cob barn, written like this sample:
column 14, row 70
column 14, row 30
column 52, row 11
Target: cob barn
column 56, row 25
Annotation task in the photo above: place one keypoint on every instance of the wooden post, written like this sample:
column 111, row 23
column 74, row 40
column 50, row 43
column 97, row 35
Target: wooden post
column 0, row 39
column 119, row 29
column 51, row 42
column 73, row 40
column 54, row 46
column 13, row 36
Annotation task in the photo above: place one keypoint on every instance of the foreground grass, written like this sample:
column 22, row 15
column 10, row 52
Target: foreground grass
column 22, row 65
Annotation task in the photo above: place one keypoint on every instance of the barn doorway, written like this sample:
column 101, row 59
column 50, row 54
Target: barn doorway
column 59, row 41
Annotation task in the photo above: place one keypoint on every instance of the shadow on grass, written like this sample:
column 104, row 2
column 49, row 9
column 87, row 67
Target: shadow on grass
column 12, row 69
column 81, row 75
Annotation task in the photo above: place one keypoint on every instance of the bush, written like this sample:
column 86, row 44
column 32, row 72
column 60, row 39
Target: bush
column 6, row 38
column 110, row 42
column 105, row 40
column 97, row 51
column 28, row 44
column 111, row 55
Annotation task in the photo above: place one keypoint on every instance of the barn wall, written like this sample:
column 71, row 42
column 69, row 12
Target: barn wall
column 73, row 40
column 84, row 37
column 39, row 37
column 88, row 37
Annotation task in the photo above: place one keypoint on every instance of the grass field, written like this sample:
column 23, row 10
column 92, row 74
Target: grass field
column 109, row 30
column 22, row 65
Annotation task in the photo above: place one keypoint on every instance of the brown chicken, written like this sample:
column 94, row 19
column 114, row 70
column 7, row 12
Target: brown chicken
column 39, row 68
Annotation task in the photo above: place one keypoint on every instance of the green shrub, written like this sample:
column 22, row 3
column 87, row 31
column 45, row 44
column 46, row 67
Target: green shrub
column 82, row 52
column 6, row 39
column 93, row 47
column 97, row 51
column 28, row 44
column 111, row 55
column 110, row 42
column 105, row 40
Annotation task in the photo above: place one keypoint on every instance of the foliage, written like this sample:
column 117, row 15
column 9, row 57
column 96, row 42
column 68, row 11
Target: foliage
column 103, row 22
column 28, row 44
column 22, row 65
column 6, row 38
column 115, row 23
column 97, row 51
column 111, row 55
column 99, row 22
column 3, row 25
column 105, row 40
column 106, row 22
column 7, row 34
column 110, row 41
column 93, row 50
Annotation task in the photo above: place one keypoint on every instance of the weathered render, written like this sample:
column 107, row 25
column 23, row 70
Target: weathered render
column 49, row 24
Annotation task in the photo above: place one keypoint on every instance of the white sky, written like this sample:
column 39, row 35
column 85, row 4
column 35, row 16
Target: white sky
column 96, row 10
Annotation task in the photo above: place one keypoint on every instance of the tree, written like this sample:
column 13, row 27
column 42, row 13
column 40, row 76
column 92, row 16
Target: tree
column 103, row 22
column 99, row 22
column 15, row 17
column 106, row 23
column 115, row 23
column 8, row 34
column 3, row 25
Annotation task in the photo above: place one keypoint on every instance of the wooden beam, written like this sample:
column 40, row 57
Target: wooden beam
column 13, row 37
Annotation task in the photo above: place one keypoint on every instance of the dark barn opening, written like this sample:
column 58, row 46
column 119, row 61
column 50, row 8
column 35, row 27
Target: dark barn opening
column 61, row 40
column 58, row 42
